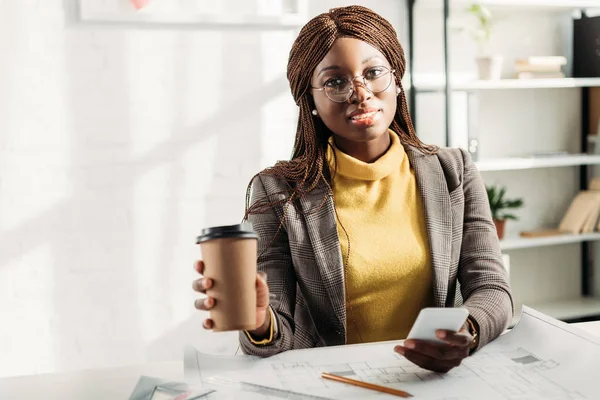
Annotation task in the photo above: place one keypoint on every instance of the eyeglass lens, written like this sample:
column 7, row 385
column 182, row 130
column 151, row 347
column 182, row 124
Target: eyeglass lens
column 376, row 80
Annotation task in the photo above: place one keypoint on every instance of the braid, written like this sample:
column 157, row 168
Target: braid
column 308, row 167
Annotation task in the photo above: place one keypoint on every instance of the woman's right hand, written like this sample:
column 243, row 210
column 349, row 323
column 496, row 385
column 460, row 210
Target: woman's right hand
column 263, row 317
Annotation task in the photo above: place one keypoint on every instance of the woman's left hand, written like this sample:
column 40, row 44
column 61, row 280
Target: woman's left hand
column 438, row 357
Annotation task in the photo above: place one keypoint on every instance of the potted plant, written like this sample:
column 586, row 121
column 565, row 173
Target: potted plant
column 488, row 66
column 499, row 205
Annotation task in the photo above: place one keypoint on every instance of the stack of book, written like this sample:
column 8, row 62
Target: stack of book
column 584, row 211
column 582, row 216
column 542, row 67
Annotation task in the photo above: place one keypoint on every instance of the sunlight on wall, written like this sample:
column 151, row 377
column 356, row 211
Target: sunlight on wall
column 198, row 85
column 149, row 201
column 197, row 167
column 275, row 49
column 26, row 307
column 279, row 128
column 199, row 79
column 279, row 114
column 35, row 153
column 150, row 63
column 184, row 86
column 198, row 172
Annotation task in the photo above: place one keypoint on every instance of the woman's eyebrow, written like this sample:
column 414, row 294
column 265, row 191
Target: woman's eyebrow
column 329, row 68
column 336, row 67
column 366, row 60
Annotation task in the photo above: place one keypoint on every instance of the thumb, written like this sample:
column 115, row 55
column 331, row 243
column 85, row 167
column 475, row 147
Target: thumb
column 263, row 275
column 262, row 290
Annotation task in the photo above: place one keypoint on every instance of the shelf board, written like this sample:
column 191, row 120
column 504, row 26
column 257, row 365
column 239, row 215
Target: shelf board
column 517, row 243
column 515, row 163
column 556, row 83
column 569, row 309
column 195, row 21
column 553, row 5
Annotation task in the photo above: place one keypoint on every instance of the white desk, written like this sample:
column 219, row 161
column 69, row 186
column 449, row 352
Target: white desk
column 113, row 384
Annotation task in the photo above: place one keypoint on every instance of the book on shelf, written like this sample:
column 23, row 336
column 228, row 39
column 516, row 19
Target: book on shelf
column 540, row 75
column 594, row 184
column 584, row 211
column 540, row 233
column 582, row 216
column 542, row 61
column 540, row 67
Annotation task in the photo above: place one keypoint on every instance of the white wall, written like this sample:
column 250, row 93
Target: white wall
column 117, row 145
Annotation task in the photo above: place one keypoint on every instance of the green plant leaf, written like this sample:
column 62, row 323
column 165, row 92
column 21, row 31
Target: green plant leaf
column 516, row 203
column 501, row 194
column 483, row 16
column 498, row 203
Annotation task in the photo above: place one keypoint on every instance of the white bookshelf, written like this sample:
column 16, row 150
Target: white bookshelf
column 580, row 307
column 516, row 243
column 474, row 108
column 515, row 163
column 500, row 84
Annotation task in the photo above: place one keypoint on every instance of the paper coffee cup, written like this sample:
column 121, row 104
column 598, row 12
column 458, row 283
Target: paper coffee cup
column 229, row 254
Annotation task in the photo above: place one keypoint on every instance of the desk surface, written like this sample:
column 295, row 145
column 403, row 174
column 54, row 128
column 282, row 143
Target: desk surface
column 115, row 383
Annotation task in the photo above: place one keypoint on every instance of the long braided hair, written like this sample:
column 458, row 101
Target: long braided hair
column 308, row 167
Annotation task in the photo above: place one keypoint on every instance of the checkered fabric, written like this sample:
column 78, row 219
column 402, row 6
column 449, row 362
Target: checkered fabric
column 304, row 263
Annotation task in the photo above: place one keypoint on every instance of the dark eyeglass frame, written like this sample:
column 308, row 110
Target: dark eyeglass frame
column 392, row 72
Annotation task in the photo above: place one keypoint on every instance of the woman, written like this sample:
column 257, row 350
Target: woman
column 366, row 225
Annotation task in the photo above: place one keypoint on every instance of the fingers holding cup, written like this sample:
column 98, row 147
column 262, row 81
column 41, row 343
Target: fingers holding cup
column 228, row 270
column 202, row 285
column 199, row 266
column 205, row 304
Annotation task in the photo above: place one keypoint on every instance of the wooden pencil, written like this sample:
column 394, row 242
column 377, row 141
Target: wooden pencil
column 366, row 385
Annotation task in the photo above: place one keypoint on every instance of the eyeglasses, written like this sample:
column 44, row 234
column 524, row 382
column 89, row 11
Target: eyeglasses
column 375, row 80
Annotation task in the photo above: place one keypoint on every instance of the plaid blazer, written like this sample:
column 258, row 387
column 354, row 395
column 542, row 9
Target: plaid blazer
column 304, row 263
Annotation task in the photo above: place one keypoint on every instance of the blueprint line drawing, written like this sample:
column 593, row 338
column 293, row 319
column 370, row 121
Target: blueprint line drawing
column 540, row 359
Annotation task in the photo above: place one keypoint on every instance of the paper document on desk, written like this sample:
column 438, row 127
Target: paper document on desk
column 151, row 388
column 540, row 359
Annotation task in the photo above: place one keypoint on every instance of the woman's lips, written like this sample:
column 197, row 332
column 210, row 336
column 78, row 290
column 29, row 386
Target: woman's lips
column 365, row 119
column 363, row 110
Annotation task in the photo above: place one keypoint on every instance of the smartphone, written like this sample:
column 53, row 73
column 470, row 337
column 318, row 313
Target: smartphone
column 431, row 319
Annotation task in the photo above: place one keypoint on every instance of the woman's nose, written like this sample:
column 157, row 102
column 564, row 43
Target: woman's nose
column 360, row 93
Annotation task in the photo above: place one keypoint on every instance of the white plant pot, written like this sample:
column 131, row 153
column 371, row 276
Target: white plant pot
column 489, row 67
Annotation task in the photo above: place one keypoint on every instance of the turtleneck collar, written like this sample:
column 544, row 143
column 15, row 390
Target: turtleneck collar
column 353, row 168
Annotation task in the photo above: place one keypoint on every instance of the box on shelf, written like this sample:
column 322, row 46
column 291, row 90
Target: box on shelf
column 586, row 60
column 595, row 109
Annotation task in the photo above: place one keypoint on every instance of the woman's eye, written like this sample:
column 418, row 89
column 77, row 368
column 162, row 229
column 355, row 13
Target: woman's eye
column 374, row 73
column 335, row 83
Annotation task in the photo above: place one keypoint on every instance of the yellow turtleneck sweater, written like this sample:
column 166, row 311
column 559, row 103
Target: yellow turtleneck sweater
column 388, row 273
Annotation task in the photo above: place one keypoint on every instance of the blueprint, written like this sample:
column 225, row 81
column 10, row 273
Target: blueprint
column 540, row 359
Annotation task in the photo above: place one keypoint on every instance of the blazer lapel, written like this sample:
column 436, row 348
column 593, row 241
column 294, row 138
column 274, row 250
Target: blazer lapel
column 322, row 232
column 438, row 218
